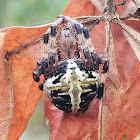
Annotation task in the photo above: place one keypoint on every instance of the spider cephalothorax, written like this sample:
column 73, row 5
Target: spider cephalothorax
column 70, row 66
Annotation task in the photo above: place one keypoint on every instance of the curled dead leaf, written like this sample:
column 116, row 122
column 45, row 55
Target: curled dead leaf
column 19, row 94
column 24, row 48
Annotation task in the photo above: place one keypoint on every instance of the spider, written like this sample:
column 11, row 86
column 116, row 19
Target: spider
column 70, row 66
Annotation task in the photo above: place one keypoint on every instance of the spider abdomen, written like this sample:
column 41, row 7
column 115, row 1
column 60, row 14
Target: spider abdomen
column 72, row 88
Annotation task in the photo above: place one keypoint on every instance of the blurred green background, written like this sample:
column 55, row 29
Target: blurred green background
column 31, row 13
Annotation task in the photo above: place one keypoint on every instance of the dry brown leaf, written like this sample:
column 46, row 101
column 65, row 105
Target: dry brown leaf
column 129, row 9
column 117, row 119
column 16, row 78
column 100, row 4
column 6, row 98
column 132, row 36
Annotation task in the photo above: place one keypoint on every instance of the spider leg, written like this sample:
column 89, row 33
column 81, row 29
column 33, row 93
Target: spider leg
column 36, row 76
column 50, row 45
column 92, row 59
column 97, row 60
column 100, row 90
column 46, row 66
column 36, row 73
column 84, row 45
column 50, row 41
column 42, row 68
column 100, row 59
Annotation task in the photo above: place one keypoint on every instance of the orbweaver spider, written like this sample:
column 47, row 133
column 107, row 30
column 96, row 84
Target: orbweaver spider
column 70, row 66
